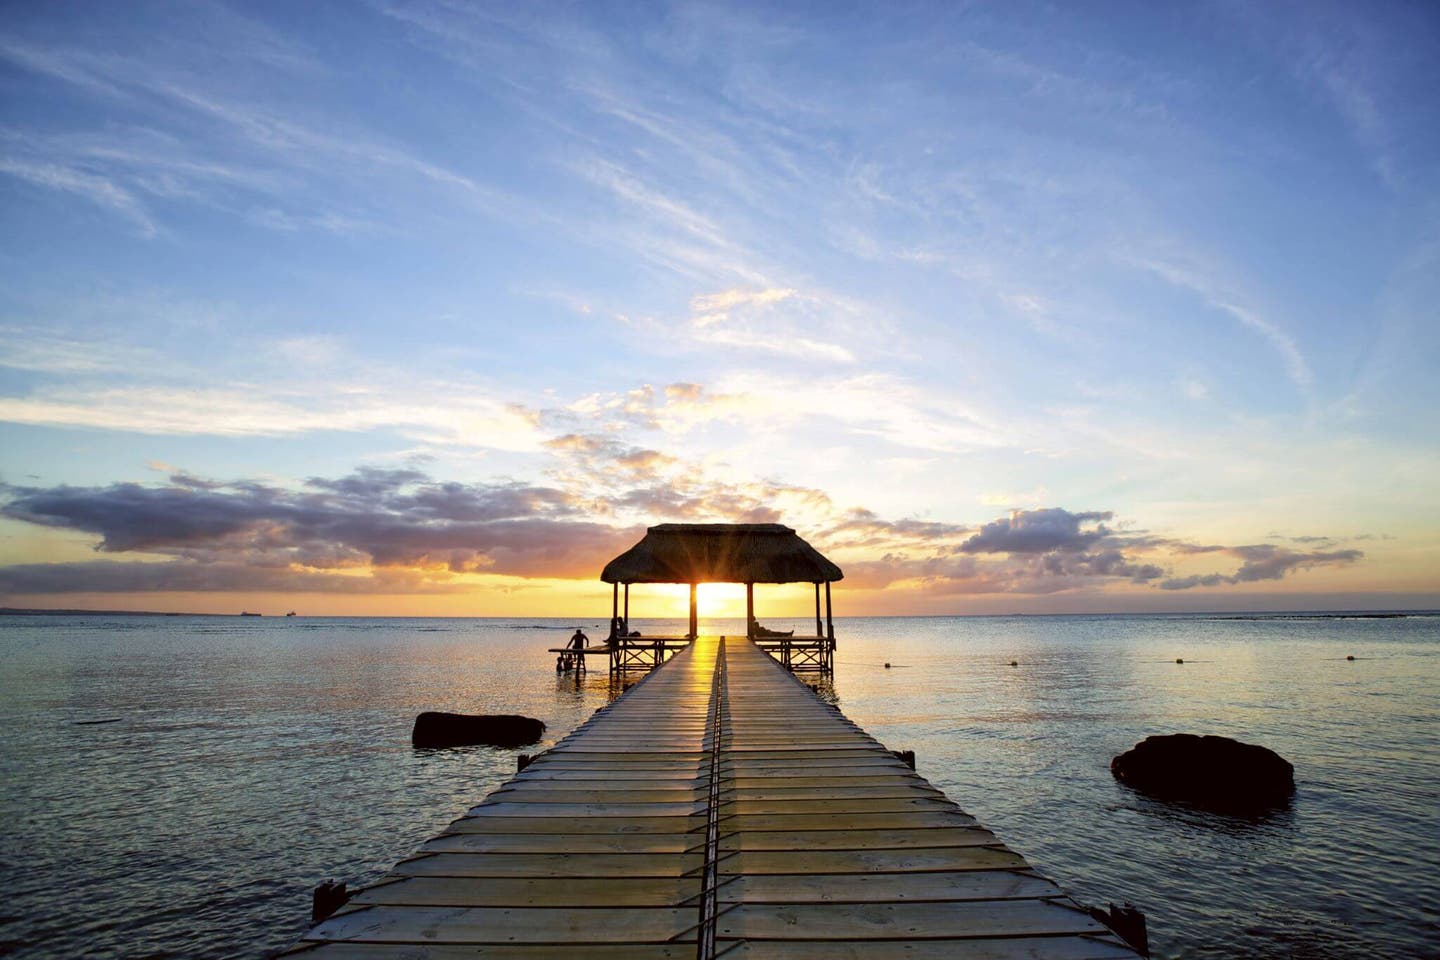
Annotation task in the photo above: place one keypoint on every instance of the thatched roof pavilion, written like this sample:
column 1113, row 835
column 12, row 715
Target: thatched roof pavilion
column 721, row 553
column 747, row 553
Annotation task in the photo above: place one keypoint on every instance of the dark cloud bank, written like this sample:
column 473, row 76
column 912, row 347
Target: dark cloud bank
column 1052, row 549
column 399, row 531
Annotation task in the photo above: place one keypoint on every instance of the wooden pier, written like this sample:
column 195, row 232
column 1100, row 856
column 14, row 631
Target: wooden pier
column 717, row 808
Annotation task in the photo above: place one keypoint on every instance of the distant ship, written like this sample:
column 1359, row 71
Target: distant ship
column 290, row 614
column 247, row 613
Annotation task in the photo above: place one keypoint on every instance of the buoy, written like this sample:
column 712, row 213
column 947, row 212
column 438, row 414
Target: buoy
column 1179, row 660
column 1351, row 657
column 1014, row 663
column 887, row 664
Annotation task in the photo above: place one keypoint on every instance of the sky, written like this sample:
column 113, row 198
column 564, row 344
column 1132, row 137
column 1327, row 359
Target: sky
column 431, row 308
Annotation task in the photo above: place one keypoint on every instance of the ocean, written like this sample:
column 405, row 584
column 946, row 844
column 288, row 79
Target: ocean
column 248, row 759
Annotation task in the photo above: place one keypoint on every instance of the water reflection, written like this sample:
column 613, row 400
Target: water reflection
column 291, row 742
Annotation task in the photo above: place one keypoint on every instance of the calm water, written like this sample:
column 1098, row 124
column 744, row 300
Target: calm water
column 254, row 758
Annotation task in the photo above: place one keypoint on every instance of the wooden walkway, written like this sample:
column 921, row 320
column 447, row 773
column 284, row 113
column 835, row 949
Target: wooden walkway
column 718, row 808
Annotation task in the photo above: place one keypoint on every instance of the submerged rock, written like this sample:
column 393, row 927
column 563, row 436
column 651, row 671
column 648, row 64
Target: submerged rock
column 1213, row 772
column 458, row 729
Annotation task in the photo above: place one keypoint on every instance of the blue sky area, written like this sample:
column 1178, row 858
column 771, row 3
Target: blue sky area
column 432, row 307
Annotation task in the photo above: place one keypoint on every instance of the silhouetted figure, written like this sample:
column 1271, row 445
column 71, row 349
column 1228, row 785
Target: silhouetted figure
column 756, row 630
column 579, row 640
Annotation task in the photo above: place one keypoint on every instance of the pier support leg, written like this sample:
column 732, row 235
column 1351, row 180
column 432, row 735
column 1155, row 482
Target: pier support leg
column 750, row 610
column 829, row 630
column 694, row 615
column 329, row 897
column 819, row 632
column 1128, row 924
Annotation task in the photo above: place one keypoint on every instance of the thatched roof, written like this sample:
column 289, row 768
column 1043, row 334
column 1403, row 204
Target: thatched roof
column 721, row 553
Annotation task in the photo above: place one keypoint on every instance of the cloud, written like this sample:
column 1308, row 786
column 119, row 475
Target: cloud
column 436, row 411
column 103, row 576
column 1264, row 562
column 1042, row 551
column 373, row 519
column 44, row 352
column 192, row 121
column 97, row 189
column 863, row 528
column 773, row 320
column 728, row 299
column 398, row 530
column 1040, row 531
column 1228, row 301
column 614, row 478
column 683, row 392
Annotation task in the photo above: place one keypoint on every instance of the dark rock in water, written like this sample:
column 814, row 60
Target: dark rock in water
column 458, row 729
column 1213, row 772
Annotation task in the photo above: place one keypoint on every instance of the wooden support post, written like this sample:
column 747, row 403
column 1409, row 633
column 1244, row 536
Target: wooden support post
column 829, row 642
column 627, row 607
column 1128, row 924
column 328, row 897
column 829, row 620
column 614, row 607
column 818, row 631
column 694, row 613
column 750, row 610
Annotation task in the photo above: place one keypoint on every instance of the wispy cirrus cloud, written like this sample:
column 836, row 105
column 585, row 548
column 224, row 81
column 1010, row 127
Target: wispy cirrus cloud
column 1227, row 301
column 240, row 410
column 192, row 124
column 92, row 385
column 774, row 320
column 100, row 190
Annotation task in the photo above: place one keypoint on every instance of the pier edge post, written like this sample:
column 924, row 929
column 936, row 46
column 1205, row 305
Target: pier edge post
column 327, row 898
column 1128, row 923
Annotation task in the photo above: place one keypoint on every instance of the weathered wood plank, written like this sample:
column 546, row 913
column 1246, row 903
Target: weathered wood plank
column 574, row 842
column 848, row 821
column 613, row 826
column 754, row 862
column 466, row 925
column 446, row 863
column 888, row 887
column 836, row 805
column 1016, row 948
column 530, row 892
column 526, row 808
column 338, row 950
column 903, row 921
column 890, row 791
column 857, row 839
column 600, row 793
